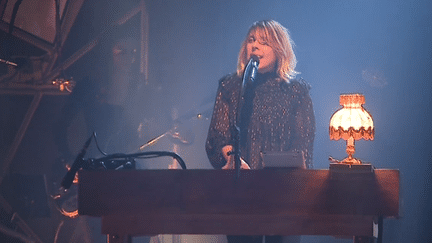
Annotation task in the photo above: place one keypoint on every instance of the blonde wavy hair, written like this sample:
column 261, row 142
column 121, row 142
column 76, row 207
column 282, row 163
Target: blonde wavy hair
column 278, row 38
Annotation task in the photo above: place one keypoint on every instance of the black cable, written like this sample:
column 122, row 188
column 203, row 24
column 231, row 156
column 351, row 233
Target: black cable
column 80, row 163
column 143, row 155
column 97, row 145
column 14, row 13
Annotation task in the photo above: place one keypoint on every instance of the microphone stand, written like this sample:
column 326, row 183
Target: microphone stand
column 236, row 129
column 236, row 147
column 248, row 78
column 8, row 62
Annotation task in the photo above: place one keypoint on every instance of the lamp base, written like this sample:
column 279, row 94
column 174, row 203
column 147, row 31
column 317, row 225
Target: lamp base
column 351, row 161
column 348, row 160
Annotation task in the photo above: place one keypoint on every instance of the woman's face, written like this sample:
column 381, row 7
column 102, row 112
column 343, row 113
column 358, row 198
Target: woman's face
column 257, row 46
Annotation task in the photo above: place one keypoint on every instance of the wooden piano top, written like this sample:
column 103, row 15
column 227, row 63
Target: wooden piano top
column 167, row 201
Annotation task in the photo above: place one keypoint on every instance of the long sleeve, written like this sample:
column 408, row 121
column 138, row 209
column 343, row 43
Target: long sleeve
column 304, row 123
column 219, row 133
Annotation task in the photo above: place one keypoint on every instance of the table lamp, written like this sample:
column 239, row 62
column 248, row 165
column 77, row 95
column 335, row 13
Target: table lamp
column 351, row 122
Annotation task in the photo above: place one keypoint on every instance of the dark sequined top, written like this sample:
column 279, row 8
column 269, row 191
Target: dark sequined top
column 276, row 116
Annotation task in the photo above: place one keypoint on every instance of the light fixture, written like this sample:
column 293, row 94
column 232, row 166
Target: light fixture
column 351, row 122
column 64, row 84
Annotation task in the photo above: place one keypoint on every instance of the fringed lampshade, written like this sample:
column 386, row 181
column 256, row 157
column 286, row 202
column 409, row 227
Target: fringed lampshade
column 351, row 122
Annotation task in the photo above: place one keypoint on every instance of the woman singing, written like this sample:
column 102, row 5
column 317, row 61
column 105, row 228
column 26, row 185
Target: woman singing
column 274, row 114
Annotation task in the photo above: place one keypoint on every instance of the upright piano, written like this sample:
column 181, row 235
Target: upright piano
column 281, row 201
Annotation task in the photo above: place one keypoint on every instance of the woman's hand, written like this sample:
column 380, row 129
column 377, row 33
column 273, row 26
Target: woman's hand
column 229, row 157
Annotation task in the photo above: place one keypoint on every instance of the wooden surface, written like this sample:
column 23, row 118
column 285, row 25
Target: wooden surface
column 269, row 201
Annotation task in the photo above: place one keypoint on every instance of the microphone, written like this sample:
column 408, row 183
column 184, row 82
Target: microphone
column 78, row 164
column 250, row 72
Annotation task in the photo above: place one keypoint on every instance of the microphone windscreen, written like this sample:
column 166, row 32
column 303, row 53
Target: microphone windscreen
column 255, row 58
